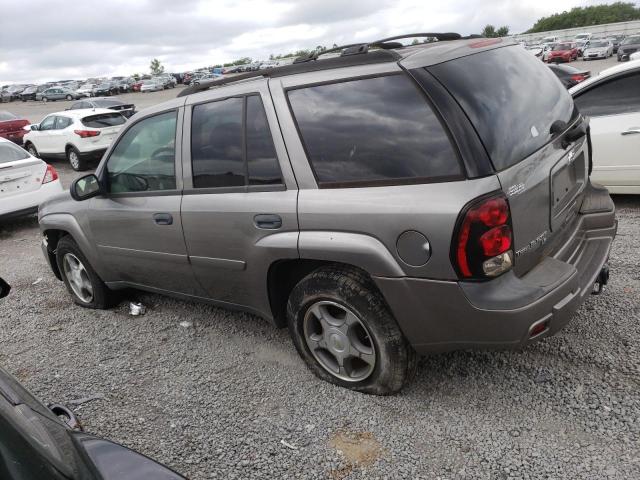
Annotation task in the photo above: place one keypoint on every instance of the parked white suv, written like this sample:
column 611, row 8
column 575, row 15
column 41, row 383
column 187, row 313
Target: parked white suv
column 77, row 135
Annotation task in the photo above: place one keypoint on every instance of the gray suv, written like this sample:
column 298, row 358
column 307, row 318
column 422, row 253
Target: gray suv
column 382, row 202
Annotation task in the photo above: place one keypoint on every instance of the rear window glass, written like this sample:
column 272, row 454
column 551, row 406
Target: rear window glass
column 103, row 120
column 11, row 153
column 510, row 97
column 4, row 116
column 372, row 131
column 107, row 103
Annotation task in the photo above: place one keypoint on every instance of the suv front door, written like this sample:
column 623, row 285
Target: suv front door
column 42, row 138
column 240, row 196
column 136, row 225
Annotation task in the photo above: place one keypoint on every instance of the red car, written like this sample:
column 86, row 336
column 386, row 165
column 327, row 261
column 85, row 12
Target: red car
column 11, row 127
column 563, row 52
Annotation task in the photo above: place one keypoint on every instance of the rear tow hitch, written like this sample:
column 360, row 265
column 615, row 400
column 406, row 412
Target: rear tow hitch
column 601, row 281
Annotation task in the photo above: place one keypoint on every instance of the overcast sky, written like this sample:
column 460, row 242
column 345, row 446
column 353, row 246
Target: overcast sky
column 75, row 39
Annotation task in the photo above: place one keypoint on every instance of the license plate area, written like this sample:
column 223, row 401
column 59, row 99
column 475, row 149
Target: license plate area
column 567, row 181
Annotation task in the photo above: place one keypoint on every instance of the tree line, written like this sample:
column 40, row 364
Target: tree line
column 587, row 16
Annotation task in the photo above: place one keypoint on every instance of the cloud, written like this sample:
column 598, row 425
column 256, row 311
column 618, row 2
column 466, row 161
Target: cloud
column 71, row 39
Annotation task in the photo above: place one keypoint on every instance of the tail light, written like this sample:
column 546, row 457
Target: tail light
column 50, row 175
column 87, row 133
column 578, row 77
column 482, row 243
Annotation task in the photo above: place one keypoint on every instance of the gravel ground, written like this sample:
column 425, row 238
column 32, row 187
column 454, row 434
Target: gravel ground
column 219, row 397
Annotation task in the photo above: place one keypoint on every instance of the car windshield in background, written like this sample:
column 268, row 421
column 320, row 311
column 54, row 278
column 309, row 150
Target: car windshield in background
column 10, row 153
column 562, row 46
column 103, row 120
column 6, row 116
column 512, row 125
column 107, row 103
column 598, row 45
column 631, row 40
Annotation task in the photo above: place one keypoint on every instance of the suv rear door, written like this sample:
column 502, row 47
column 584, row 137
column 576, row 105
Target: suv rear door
column 542, row 176
column 239, row 193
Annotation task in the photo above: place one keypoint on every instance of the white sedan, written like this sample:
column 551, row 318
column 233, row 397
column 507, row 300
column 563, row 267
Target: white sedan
column 25, row 181
column 598, row 49
column 612, row 101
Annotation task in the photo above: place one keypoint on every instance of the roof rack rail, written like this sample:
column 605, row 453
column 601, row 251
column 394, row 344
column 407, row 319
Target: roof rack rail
column 350, row 55
column 359, row 48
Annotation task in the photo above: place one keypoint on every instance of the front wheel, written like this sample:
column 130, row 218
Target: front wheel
column 69, row 97
column 344, row 331
column 82, row 282
column 76, row 161
column 31, row 148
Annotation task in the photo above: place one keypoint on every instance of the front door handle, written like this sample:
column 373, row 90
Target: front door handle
column 268, row 221
column 631, row 131
column 163, row 218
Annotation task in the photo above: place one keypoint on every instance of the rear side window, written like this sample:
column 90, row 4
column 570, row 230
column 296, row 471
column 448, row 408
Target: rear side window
column 63, row 122
column 103, row 120
column 621, row 95
column 11, row 153
column 511, row 98
column 372, row 131
column 229, row 140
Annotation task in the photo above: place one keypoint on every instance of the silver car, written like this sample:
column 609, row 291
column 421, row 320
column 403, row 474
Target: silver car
column 379, row 202
column 57, row 93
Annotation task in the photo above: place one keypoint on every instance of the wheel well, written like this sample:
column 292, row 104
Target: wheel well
column 53, row 238
column 283, row 276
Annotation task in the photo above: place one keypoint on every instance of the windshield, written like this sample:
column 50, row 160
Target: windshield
column 4, row 116
column 598, row 44
column 630, row 40
column 511, row 125
column 562, row 46
column 10, row 153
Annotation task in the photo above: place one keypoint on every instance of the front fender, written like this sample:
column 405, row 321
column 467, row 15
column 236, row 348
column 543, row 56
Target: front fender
column 67, row 223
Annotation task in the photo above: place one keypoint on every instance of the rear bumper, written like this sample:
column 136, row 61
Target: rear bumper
column 27, row 203
column 438, row 316
column 93, row 154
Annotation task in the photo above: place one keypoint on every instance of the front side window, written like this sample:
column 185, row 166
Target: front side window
column 614, row 97
column 144, row 158
column 372, row 131
column 48, row 123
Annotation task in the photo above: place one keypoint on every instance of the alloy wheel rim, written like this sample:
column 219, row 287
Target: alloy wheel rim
column 339, row 341
column 73, row 159
column 78, row 277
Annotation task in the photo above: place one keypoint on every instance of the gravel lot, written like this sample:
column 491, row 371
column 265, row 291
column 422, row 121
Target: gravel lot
column 217, row 398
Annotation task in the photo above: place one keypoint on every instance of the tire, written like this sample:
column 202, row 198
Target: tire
column 68, row 253
column 368, row 327
column 75, row 159
column 69, row 97
column 31, row 148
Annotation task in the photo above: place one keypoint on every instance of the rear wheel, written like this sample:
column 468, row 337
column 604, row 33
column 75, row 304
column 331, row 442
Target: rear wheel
column 76, row 161
column 82, row 282
column 344, row 331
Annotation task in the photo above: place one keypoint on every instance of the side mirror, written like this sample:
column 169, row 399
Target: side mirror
column 85, row 187
column 34, row 127
column 4, row 288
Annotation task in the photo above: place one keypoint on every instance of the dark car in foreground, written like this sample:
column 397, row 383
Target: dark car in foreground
column 12, row 127
column 48, row 443
column 628, row 46
column 568, row 75
column 383, row 202
column 112, row 103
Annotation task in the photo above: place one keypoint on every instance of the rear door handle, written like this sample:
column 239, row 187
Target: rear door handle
column 163, row 218
column 268, row 221
column 631, row 131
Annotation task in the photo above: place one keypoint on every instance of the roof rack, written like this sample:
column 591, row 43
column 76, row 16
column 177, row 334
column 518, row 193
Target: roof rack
column 351, row 55
column 359, row 48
